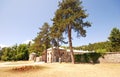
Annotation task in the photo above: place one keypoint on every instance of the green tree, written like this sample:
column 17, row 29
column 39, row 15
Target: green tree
column 22, row 52
column 70, row 15
column 15, row 53
column 115, row 39
column 5, row 54
column 45, row 38
column 36, row 47
column 56, row 38
column 98, row 47
column 42, row 41
column 0, row 53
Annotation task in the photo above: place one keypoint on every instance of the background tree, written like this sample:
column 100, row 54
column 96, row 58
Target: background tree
column 36, row 47
column 115, row 39
column 70, row 15
column 42, row 41
column 0, row 53
column 101, row 47
column 5, row 53
column 45, row 38
column 15, row 53
column 22, row 52
column 14, row 49
column 56, row 37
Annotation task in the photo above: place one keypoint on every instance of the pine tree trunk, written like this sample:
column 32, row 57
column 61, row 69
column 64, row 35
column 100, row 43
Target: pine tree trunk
column 46, row 56
column 70, row 44
column 58, row 48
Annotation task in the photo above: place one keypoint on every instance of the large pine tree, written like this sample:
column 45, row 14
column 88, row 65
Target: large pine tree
column 70, row 15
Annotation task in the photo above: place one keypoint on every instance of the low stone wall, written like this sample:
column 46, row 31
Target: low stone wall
column 39, row 59
column 111, row 57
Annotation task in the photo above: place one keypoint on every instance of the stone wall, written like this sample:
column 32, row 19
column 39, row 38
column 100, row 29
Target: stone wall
column 32, row 57
column 111, row 57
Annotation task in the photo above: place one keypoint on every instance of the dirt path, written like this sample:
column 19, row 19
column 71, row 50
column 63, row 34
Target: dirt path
column 64, row 70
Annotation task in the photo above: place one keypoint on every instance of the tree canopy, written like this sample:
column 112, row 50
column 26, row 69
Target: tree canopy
column 71, row 16
column 114, row 39
column 15, row 53
column 42, row 41
column 112, row 45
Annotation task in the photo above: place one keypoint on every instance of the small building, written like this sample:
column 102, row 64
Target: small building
column 54, row 54
column 32, row 57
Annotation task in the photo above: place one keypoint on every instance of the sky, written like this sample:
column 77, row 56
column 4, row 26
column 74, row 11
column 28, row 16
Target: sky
column 20, row 20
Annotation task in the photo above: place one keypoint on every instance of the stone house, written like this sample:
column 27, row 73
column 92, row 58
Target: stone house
column 53, row 54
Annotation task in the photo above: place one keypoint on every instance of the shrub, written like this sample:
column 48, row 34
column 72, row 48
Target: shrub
column 88, row 57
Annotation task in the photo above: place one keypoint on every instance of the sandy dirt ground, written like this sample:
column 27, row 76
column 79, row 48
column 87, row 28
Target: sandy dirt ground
column 64, row 70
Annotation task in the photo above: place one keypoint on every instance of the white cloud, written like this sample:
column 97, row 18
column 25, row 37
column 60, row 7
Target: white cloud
column 2, row 46
column 27, row 42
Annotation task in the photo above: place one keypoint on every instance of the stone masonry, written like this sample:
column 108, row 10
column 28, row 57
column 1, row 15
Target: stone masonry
column 111, row 57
